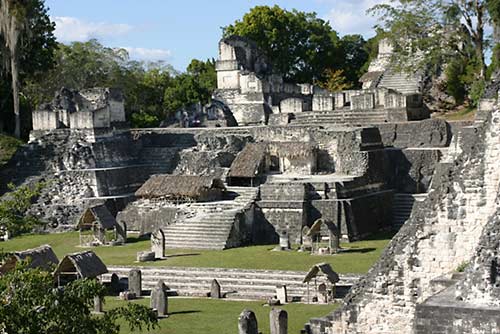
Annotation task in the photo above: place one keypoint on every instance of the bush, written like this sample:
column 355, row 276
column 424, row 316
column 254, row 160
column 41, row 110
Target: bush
column 143, row 120
column 477, row 91
column 14, row 207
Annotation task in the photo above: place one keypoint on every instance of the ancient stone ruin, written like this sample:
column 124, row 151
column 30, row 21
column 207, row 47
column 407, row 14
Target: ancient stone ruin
column 415, row 287
column 277, row 158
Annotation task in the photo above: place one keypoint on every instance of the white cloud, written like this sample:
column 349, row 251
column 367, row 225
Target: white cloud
column 148, row 54
column 70, row 29
column 349, row 17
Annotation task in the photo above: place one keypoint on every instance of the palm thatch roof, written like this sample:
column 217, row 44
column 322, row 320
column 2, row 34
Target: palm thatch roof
column 42, row 257
column 248, row 161
column 99, row 214
column 178, row 186
column 324, row 269
column 84, row 264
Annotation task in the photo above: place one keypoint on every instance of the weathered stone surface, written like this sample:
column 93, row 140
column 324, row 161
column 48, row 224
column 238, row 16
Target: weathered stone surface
column 98, row 304
column 278, row 321
column 159, row 299
column 115, row 286
column 158, row 244
column 451, row 220
column 135, row 282
column 145, row 256
column 281, row 294
column 215, row 290
column 127, row 295
column 247, row 323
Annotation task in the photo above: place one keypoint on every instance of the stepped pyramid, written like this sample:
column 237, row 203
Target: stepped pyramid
column 209, row 225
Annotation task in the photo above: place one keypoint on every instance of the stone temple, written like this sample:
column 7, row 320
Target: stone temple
column 271, row 158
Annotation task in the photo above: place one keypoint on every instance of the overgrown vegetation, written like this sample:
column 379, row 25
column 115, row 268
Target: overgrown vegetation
column 8, row 146
column 29, row 303
column 430, row 34
column 302, row 46
column 14, row 216
column 462, row 266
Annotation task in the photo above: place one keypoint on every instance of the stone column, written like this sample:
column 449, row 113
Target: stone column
column 159, row 299
column 135, row 282
column 247, row 323
column 215, row 290
column 97, row 304
column 278, row 321
column 158, row 244
column 115, row 284
column 334, row 239
column 281, row 294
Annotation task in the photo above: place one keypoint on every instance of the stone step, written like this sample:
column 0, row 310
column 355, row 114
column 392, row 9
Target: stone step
column 236, row 283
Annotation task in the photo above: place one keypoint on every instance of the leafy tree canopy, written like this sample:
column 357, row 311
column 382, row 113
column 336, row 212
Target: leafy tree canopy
column 301, row 45
column 30, row 304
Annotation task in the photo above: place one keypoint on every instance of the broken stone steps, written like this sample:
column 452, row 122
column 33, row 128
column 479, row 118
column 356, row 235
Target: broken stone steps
column 194, row 245
column 207, row 234
column 243, row 284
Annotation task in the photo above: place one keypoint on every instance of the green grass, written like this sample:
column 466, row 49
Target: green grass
column 357, row 257
column 8, row 146
column 209, row 316
column 465, row 114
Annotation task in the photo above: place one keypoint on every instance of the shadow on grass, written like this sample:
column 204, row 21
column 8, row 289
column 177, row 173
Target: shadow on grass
column 357, row 250
column 184, row 312
column 182, row 254
column 133, row 240
column 380, row 236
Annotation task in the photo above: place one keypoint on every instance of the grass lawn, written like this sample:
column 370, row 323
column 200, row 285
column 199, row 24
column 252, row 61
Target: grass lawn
column 357, row 257
column 464, row 114
column 209, row 316
column 8, row 146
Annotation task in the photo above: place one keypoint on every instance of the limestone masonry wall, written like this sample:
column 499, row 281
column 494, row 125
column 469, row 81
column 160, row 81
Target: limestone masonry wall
column 442, row 233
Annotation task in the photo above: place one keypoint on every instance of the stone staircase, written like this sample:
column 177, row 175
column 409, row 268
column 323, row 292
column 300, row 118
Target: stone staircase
column 235, row 283
column 341, row 117
column 400, row 82
column 161, row 159
column 402, row 205
column 208, row 225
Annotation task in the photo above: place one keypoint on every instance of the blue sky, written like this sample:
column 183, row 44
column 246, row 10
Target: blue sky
column 177, row 31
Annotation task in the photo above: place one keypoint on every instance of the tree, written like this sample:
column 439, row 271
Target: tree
column 354, row 57
column 30, row 304
column 425, row 32
column 14, row 207
column 27, row 41
column 196, row 85
column 301, row 45
column 335, row 81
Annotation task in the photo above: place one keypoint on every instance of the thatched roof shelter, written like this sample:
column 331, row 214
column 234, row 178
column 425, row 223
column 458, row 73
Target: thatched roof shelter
column 323, row 269
column 81, row 265
column 42, row 257
column 178, row 186
column 99, row 214
column 248, row 161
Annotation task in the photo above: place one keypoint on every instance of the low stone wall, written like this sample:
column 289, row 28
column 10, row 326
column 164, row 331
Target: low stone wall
column 444, row 314
column 427, row 133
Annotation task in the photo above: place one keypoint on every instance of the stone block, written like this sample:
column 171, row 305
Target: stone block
column 135, row 282
column 278, row 321
column 215, row 290
column 247, row 323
